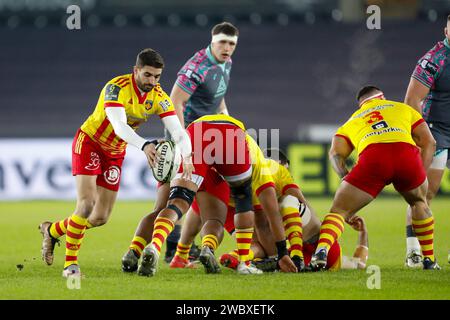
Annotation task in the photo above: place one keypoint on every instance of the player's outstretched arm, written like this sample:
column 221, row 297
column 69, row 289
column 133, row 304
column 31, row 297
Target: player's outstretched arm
column 118, row 119
column 340, row 150
column 415, row 94
column 361, row 254
column 182, row 140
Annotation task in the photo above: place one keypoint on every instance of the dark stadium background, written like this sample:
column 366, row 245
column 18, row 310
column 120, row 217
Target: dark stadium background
column 297, row 66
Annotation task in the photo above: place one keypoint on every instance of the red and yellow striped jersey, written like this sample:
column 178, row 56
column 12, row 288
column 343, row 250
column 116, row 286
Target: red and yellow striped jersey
column 380, row 121
column 123, row 92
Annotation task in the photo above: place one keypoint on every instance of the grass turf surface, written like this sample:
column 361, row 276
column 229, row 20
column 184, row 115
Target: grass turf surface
column 103, row 248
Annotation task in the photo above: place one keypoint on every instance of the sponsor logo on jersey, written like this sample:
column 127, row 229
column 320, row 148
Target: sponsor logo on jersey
column 112, row 92
column 196, row 77
column 112, row 175
column 165, row 104
column 429, row 66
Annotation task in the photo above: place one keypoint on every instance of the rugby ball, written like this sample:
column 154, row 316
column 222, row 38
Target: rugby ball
column 169, row 161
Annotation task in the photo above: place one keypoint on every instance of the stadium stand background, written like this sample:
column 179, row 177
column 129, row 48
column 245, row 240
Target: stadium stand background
column 298, row 63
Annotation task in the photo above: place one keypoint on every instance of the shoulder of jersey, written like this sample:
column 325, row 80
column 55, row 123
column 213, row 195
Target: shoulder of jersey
column 121, row 81
column 199, row 58
column 438, row 50
column 158, row 90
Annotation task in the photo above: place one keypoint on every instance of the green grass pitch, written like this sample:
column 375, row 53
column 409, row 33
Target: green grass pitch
column 103, row 248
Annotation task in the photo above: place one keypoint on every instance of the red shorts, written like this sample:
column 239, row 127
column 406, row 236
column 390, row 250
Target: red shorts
column 88, row 158
column 216, row 186
column 383, row 163
column 334, row 254
column 221, row 146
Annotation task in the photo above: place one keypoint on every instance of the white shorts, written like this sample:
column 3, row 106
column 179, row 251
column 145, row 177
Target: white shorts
column 440, row 160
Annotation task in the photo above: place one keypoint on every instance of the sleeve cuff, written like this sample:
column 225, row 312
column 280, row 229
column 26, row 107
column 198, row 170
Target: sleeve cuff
column 426, row 84
column 168, row 113
column 418, row 122
column 264, row 186
column 184, row 88
column 289, row 186
column 113, row 104
column 346, row 139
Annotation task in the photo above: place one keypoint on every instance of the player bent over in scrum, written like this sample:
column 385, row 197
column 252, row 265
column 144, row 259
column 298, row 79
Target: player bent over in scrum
column 228, row 154
column 386, row 135
column 214, row 215
column 212, row 205
column 293, row 203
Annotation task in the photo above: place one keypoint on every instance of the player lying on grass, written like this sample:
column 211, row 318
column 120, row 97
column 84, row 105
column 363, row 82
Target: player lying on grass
column 218, row 142
column 264, row 259
column 99, row 146
column 386, row 135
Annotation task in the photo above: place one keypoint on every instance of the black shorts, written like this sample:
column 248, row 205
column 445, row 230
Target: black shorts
column 441, row 133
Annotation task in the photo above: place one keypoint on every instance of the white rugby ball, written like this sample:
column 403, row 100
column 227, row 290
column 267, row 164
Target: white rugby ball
column 169, row 161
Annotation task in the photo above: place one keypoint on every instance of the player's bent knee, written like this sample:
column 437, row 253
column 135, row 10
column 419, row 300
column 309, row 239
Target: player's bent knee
column 180, row 199
column 242, row 195
column 176, row 209
column 182, row 193
column 85, row 207
column 420, row 206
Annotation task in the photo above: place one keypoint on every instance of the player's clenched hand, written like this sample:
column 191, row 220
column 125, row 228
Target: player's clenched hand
column 357, row 223
column 286, row 264
column 188, row 167
column 152, row 156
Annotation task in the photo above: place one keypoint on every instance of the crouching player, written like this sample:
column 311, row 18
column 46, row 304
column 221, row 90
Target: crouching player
column 270, row 181
column 292, row 204
column 212, row 202
column 224, row 138
column 386, row 135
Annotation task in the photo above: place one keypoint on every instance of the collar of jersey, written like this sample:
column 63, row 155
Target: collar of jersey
column 446, row 43
column 213, row 60
column 368, row 103
column 141, row 98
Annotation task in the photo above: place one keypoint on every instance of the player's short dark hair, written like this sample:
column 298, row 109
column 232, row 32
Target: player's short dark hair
column 225, row 28
column 149, row 57
column 277, row 154
column 366, row 91
column 448, row 17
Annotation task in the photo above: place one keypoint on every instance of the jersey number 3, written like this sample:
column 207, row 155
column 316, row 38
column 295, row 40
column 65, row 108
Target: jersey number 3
column 377, row 120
